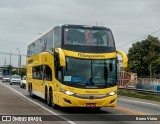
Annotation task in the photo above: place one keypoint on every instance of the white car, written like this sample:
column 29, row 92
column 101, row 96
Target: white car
column 23, row 82
column 15, row 79
column 6, row 78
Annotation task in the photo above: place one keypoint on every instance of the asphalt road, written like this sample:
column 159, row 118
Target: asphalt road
column 21, row 103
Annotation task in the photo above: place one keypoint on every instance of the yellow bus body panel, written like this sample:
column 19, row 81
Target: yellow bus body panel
column 38, row 86
column 109, row 101
column 44, row 58
column 90, row 55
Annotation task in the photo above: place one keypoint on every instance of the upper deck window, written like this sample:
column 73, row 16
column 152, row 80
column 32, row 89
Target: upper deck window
column 88, row 37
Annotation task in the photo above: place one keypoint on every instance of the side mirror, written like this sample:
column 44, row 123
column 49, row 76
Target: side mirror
column 125, row 58
column 62, row 61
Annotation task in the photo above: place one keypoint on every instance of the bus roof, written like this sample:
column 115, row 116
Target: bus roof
column 68, row 25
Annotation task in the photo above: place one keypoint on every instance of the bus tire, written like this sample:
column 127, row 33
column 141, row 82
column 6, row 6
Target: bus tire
column 49, row 98
column 54, row 106
column 30, row 91
column 46, row 94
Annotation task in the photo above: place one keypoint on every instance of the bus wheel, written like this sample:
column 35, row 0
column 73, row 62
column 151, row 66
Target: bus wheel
column 30, row 91
column 55, row 106
column 49, row 99
column 46, row 95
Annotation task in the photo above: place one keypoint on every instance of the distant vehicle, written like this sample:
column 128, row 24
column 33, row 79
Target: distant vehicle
column 16, row 79
column 6, row 78
column 1, row 77
column 5, row 71
column 23, row 82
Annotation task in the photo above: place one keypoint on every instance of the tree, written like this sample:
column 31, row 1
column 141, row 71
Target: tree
column 22, row 72
column 10, row 67
column 144, row 57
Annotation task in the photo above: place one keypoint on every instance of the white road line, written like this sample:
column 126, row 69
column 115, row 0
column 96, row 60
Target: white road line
column 71, row 122
column 19, row 96
column 139, row 102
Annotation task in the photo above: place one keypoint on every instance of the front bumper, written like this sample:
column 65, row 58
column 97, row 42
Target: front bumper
column 65, row 100
column 15, row 82
column 5, row 80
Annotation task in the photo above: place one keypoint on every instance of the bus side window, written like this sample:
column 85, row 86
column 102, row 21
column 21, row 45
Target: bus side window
column 43, row 72
column 48, row 73
column 56, row 65
column 58, row 69
column 59, row 75
column 33, row 73
column 57, row 37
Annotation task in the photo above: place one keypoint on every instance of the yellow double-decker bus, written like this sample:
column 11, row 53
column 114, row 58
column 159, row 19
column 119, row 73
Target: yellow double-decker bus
column 74, row 66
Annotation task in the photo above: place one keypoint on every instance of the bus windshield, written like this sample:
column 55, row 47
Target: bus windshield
column 88, row 37
column 90, row 73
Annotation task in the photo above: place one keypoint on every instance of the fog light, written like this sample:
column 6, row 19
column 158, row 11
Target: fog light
column 67, row 101
column 112, row 101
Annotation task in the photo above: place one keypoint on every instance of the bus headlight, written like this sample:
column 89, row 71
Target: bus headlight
column 112, row 93
column 66, row 92
column 69, row 93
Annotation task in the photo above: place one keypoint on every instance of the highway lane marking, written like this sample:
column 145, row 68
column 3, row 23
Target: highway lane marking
column 10, row 88
column 127, row 111
column 133, row 113
column 139, row 102
column 19, row 96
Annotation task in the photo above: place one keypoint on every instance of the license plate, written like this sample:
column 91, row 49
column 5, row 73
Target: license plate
column 91, row 105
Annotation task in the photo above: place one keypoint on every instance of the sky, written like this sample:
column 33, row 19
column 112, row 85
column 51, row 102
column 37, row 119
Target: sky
column 22, row 21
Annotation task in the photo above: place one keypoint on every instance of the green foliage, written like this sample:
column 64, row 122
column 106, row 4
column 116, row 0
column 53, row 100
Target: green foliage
column 22, row 72
column 13, row 71
column 144, row 57
column 10, row 67
column 139, row 95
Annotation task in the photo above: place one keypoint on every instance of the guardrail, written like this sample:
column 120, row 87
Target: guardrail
column 142, row 91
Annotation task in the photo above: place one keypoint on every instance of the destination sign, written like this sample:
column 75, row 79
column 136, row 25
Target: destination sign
column 91, row 55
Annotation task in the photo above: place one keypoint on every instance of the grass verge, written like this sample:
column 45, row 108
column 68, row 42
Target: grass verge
column 124, row 92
